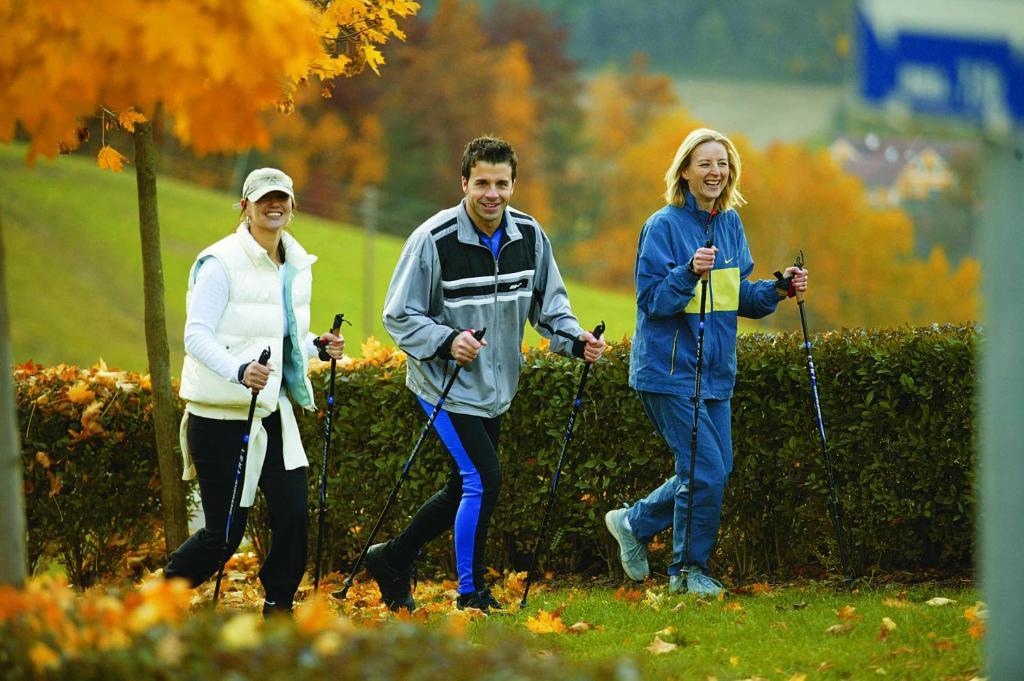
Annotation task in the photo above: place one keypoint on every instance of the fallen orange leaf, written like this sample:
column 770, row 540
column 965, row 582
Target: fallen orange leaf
column 659, row 647
column 977, row 614
column 79, row 393
column 887, row 626
column 579, row 628
column 628, row 595
column 847, row 612
column 545, row 623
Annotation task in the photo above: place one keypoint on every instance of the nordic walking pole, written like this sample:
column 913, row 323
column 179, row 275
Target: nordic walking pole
column 696, row 393
column 598, row 332
column 837, row 512
column 339, row 319
column 341, row 594
column 239, row 473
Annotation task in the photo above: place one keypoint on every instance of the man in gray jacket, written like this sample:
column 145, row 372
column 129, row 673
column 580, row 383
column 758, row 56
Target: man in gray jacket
column 480, row 264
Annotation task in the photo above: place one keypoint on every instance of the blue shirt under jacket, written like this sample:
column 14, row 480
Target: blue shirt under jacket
column 664, row 353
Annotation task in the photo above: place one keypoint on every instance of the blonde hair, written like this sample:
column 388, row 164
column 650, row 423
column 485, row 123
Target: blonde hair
column 676, row 186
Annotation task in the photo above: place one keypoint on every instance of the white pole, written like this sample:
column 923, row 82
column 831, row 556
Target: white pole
column 1001, row 390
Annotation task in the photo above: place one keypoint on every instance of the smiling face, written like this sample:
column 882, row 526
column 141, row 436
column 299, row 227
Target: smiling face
column 488, row 190
column 271, row 213
column 707, row 173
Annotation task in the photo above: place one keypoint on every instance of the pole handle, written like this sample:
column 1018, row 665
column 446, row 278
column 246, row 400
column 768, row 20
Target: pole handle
column 710, row 243
column 799, row 262
column 321, row 345
column 264, row 358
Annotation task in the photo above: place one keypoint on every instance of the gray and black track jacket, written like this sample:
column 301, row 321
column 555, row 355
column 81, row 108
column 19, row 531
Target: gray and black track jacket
column 446, row 281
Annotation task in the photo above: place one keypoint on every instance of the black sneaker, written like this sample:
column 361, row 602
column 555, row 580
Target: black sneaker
column 394, row 583
column 481, row 600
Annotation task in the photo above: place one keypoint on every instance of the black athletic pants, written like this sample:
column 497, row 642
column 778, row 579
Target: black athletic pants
column 215, row 446
column 467, row 500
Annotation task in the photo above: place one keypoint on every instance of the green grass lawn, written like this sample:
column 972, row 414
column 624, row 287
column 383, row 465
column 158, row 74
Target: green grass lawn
column 74, row 272
column 782, row 634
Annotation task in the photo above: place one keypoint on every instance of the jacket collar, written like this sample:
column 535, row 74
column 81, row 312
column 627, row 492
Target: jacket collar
column 467, row 231
column 691, row 205
column 294, row 254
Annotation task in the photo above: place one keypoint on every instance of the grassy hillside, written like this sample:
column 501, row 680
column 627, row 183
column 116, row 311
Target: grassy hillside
column 75, row 275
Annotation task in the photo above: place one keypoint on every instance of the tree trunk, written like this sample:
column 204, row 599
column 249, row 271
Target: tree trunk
column 12, row 498
column 172, row 490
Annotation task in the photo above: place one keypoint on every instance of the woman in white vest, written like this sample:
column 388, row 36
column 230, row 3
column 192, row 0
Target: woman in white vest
column 247, row 292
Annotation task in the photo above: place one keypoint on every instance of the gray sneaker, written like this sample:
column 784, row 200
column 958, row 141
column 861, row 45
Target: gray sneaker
column 701, row 584
column 632, row 553
column 677, row 584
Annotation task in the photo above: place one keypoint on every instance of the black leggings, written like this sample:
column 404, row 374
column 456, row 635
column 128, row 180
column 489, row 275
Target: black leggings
column 466, row 501
column 215, row 446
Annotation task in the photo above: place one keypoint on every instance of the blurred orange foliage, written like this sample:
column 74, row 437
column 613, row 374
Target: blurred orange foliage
column 863, row 270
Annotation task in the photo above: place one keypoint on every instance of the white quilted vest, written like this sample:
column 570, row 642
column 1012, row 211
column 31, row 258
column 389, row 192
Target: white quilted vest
column 253, row 320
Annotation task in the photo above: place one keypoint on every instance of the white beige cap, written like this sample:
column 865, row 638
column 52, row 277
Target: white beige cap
column 262, row 181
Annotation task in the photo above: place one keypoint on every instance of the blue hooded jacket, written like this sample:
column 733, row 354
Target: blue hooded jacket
column 664, row 354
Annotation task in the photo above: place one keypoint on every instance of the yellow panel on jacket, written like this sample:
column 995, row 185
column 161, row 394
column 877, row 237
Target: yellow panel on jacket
column 723, row 295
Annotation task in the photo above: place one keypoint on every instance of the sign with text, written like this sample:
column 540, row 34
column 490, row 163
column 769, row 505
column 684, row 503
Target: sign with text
column 955, row 58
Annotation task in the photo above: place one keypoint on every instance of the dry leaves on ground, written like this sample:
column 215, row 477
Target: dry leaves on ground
column 660, row 647
column 840, row 629
column 545, row 623
column 939, row 601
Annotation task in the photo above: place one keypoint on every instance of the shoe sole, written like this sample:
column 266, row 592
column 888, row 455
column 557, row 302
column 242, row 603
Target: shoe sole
column 614, row 532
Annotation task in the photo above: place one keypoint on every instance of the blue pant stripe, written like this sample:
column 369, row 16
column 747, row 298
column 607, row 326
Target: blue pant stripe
column 467, row 518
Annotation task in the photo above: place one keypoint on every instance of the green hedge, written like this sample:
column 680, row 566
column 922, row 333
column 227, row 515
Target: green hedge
column 898, row 407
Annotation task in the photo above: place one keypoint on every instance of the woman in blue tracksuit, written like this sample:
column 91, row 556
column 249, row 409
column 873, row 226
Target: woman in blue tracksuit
column 702, row 194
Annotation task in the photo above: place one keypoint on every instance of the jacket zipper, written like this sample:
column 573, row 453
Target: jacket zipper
column 672, row 364
column 497, row 271
column 494, row 325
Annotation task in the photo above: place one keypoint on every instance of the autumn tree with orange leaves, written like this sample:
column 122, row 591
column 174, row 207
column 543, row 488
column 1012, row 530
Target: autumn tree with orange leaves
column 631, row 118
column 861, row 259
column 446, row 91
column 212, row 68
